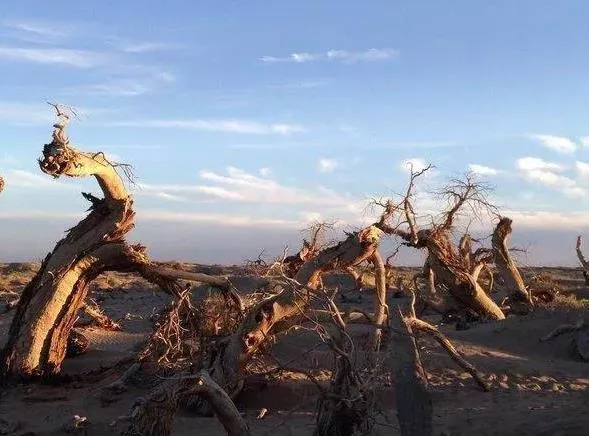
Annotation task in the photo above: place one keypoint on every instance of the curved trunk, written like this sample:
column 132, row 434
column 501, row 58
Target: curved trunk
column 512, row 282
column 49, row 304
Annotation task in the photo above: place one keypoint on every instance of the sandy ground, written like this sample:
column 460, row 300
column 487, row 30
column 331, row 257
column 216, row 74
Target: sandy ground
column 538, row 388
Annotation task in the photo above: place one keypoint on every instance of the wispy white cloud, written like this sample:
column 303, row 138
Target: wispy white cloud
column 146, row 47
column 241, row 186
column 39, row 28
column 483, row 170
column 327, row 165
column 229, row 126
column 560, row 144
column 217, row 218
column 265, row 172
column 585, row 141
column 164, row 191
column 373, row 54
column 302, row 84
column 535, row 163
column 74, row 58
column 539, row 171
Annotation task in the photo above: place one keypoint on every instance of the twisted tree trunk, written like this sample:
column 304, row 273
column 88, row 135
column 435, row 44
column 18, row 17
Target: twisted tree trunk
column 49, row 304
column 48, row 307
column 512, row 283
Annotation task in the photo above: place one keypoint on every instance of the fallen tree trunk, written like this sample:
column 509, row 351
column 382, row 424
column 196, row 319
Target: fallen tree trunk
column 260, row 321
column 511, row 284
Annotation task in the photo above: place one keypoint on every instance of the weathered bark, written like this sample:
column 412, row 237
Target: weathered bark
column 512, row 283
column 259, row 323
column 582, row 259
column 414, row 405
column 1, row 184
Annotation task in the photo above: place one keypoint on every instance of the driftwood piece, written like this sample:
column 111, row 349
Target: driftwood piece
column 512, row 283
column 414, row 405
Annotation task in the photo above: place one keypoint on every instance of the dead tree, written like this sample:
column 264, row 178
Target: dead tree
column 512, row 283
column 1, row 184
column 443, row 257
column 48, row 307
column 584, row 263
column 270, row 316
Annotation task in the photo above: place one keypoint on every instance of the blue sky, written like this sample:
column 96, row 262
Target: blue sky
column 246, row 120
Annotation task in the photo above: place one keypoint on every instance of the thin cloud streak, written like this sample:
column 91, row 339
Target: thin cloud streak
column 373, row 54
column 224, row 125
